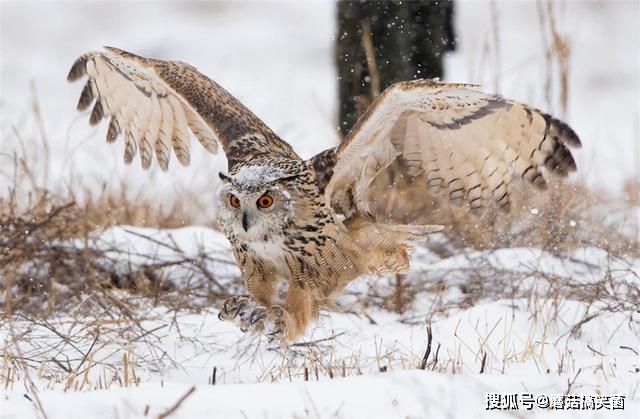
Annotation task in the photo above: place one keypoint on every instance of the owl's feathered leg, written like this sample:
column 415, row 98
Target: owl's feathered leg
column 300, row 308
column 262, row 288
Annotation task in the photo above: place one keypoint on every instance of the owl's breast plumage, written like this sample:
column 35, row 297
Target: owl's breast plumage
column 271, row 251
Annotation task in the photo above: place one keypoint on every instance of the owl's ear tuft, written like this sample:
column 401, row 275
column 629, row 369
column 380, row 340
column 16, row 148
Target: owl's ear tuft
column 224, row 178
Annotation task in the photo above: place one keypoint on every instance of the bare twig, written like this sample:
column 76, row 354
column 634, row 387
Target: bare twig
column 484, row 362
column 571, row 383
column 177, row 404
column 372, row 66
column 628, row 348
column 428, row 351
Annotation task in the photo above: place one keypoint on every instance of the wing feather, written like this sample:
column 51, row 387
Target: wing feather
column 152, row 131
column 137, row 127
column 180, row 137
column 86, row 97
column 453, row 138
column 163, row 143
column 157, row 104
column 113, row 130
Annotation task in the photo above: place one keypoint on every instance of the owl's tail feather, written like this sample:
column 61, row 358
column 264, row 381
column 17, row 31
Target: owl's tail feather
column 389, row 235
column 411, row 232
column 385, row 246
column 391, row 244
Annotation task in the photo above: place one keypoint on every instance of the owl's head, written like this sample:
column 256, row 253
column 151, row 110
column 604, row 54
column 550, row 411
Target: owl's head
column 257, row 201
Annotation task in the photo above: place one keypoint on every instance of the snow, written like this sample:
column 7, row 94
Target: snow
column 531, row 343
column 277, row 58
column 256, row 176
column 403, row 394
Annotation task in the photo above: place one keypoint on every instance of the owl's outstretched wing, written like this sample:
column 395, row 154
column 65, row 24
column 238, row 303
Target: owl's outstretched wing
column 155, row 104
column 453, row 138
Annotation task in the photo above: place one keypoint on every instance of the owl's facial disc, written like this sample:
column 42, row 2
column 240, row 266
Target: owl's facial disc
column 256, row 213
column 264, row 203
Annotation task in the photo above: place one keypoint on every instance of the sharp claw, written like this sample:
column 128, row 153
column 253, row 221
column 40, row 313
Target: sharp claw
column 250, row 313
column 240, row 307
column 274, row 333
column 253, row 319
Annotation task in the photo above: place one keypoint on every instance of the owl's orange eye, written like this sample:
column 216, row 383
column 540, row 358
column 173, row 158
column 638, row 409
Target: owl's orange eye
column 265, row 201
column 234, row 201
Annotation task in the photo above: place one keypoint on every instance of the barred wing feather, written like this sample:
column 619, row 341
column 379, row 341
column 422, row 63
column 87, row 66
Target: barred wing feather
column 155, row 105
column 454, row 138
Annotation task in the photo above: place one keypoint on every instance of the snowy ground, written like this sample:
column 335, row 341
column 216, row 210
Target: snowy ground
column 277, row 58
column 534, row 342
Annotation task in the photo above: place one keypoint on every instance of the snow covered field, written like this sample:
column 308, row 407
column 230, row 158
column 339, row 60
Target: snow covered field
column 516, row 320
column 359, row 364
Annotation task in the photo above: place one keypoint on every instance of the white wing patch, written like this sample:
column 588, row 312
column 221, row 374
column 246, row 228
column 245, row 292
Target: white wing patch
column 149, row 114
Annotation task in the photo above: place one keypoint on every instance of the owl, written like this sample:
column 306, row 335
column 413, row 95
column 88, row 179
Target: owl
column 314, row 223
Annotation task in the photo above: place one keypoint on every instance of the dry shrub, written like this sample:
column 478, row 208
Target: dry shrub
column 50, row 260
column 112, row 206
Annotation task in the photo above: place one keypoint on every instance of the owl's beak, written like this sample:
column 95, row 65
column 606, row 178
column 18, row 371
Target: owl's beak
column 245, row 220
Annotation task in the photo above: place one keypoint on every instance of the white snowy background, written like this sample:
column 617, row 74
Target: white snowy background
column 277, row 58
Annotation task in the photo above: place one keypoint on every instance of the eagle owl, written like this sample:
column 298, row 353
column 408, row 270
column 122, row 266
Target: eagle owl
column 312, row 222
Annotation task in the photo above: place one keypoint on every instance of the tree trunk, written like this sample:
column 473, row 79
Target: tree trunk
column 380, row 43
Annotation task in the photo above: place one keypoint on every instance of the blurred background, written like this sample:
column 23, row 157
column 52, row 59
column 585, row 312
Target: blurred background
column 577, row 60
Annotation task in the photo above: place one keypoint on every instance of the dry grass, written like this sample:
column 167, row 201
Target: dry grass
column 72, row 306
column 50, row 260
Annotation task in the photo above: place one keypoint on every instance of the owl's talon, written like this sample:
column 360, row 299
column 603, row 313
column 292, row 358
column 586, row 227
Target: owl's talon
column 240, row 307
column 275, row 333
column 266, row 320
column 236, row 308
column 251, row 317
column 255, row 318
